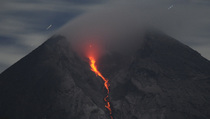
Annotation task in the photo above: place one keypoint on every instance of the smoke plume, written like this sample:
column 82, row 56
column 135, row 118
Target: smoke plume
column 119, row 25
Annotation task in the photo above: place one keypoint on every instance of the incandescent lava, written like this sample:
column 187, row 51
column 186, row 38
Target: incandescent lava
column 106, row 83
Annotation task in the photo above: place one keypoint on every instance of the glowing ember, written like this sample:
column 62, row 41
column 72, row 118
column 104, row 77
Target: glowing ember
column 106, row 83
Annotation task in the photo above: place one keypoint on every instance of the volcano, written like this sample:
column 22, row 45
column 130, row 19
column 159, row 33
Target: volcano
column 162, row 79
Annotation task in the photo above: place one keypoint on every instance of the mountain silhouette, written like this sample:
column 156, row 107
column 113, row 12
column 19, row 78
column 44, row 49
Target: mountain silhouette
column 162, row 79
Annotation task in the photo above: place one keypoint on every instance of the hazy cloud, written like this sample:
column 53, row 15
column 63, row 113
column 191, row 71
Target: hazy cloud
column 23, row 23
column 187, row 21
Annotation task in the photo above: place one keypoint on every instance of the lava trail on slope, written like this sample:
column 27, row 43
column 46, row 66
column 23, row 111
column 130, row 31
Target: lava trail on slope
column 106, row 83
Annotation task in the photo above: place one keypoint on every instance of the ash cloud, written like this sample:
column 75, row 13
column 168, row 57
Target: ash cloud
column 23, row 24
column 115, row 22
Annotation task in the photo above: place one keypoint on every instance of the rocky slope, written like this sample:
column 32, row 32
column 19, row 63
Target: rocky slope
column 163, row 79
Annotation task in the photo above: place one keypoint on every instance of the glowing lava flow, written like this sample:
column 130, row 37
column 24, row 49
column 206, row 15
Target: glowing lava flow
column 106, row 83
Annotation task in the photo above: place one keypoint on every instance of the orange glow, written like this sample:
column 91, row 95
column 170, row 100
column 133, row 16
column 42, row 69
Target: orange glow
column 106, row 83
column 95, row 70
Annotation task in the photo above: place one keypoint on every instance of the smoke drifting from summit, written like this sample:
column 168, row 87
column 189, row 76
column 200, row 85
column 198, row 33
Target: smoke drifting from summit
column 120, row 24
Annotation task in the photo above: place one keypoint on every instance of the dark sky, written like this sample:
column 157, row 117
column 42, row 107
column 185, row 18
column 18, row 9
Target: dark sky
column 25, row 24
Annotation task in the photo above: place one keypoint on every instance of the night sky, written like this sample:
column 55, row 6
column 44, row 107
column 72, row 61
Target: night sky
column 24, row 24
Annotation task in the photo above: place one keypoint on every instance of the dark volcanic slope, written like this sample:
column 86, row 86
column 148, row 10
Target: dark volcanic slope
column 163, row 79
column 51, row 83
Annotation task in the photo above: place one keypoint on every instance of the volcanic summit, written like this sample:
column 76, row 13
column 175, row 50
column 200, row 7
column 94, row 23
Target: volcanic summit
column 161, row 79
